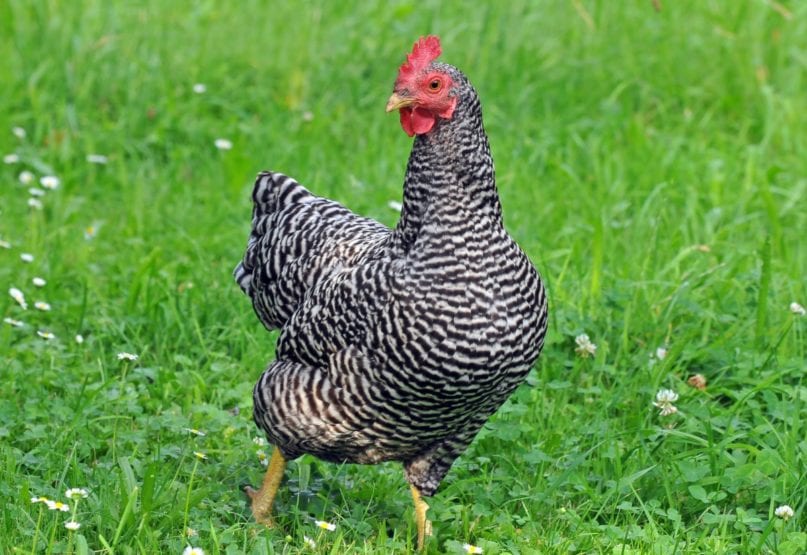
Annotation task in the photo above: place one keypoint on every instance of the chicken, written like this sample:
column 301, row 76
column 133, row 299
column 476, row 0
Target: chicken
column 395, row 344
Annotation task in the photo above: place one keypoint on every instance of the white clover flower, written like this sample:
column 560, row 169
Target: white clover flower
column 472, row 548
column 785, row 512
column 4, row 244
column 127, row 356
column 11, row 158
column 72, row 525
column 199, row 455
column 19, row 132
column 42, row 305
column 193, row 551
column 45, row 335
column 330, row 527
column 13, row 323
column 35, row 203
column 797, row 309
column 49, row 182
column 27, row 257
column 195, row 432
column 36, row 192
column 25, row 177
column 664, row 401
column 223, row 144
column 199, row 88
column 661, row 353
column 585, row 348
column 191, row 532
column 309, row 542
column 395, row 205
column 79, row 338
column 39, row 282
column 39, row 500
column 259, row 441
column 97, row 159
column 698, row 381
column 57, row 506
column 76, row 493
column 18, row 296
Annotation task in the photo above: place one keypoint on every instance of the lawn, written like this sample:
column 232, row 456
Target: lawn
column 652, row 163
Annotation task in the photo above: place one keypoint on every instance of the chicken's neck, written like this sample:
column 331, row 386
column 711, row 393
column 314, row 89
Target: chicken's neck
column 449, row 175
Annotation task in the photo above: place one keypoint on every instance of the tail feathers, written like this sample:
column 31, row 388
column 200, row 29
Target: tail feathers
column 275, row 190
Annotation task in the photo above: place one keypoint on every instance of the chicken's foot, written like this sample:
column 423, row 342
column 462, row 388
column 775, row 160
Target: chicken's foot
column 263, row 498
column 424, row 525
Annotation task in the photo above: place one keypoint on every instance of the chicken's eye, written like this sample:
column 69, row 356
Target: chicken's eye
column 435, row 85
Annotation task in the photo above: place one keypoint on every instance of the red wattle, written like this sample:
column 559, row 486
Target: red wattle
column 417, row 121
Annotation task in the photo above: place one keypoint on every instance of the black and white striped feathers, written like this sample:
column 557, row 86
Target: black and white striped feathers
column 395, row 344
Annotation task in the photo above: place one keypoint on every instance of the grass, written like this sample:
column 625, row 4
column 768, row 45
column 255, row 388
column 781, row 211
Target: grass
column 651, row 163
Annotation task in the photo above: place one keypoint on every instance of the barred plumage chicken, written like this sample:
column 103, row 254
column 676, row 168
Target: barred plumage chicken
column 395, row 345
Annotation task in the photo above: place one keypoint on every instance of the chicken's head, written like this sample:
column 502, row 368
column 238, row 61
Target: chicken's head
column 423, row 91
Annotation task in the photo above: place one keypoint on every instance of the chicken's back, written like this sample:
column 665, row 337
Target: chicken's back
column 297, row 240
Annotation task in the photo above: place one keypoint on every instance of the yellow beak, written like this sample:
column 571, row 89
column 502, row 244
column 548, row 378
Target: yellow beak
column 396, row 102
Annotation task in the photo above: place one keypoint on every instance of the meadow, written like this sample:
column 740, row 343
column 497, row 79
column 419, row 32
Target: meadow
column 652, row 163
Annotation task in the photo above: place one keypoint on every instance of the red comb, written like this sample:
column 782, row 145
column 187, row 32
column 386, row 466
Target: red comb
column 424, row 52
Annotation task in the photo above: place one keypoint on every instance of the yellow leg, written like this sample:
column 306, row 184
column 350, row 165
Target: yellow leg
column 424, row 525
column 263, row 498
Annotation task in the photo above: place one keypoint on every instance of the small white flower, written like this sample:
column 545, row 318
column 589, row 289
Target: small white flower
column 19, row 132
column 39, row 282
column 223, row 144
column 36, row 192
column 13, row 323
column 72, row 525
column 259, row 441
column 472, row 548
column 264, row 460
column 49, row 182
column 11, row 158
column 395, row 205
column 4, row 244
column 309, row 542
column 661, row 353
column 76, row 493
column 79, row 338
column 17, row 295
column 585, row 348
column 26, row 177
column 785, row 512
column 27, row 257
column 90, row 231
column 308, row 116
column 797, row 309
column 42, row 305
column 664, row 401
column 193, row 551
column 127, row 356
column 191, row 532
column 199, row 455
column 199, row 88
column 57, row 506
column 45, row 335
column 325, row 525
column 97, row 159
column 195, row 432
column 35, row 203
column 39, row 500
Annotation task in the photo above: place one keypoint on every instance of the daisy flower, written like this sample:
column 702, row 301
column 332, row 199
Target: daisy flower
column 259, row 441
column 11, row 158
column 76, row 493
column 664, row 401
column 17, row 295
column 195, row 432
column 19, row 132
column 797, row 309
column 127, row 356
column 223, row 144
column 27, row 257
column 45, row 335
column 13, row 323
column 585, row 348
column 309, row 542
column 39, row 282
column 193, row 551
column 472, row 548
column 97, row 159
column 39, row 500
column 199, row 455
column 264, row 460
column 199, row 88
column 49, row 182
column 42, row 305
column 329, row 526
column 57, row 506
column 36, row 192
column 785, row 512
column 35, row 203
column 72, row 525
column 25, row 177
column 90, row 232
